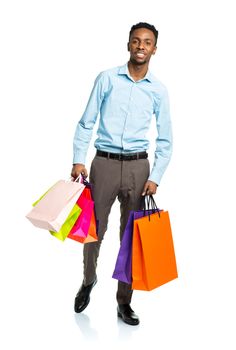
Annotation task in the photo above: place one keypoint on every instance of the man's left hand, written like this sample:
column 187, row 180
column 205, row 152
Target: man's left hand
column 150, row 187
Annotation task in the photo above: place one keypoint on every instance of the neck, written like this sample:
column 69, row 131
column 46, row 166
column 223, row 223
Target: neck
column 136, row 71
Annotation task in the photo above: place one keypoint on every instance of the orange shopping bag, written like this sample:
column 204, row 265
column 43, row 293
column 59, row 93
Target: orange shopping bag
column 153, row 256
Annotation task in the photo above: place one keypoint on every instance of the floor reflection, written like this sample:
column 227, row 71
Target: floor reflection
column 87, row 331
column 125, row 331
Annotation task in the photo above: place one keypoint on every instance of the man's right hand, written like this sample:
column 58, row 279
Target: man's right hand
column 78, row 169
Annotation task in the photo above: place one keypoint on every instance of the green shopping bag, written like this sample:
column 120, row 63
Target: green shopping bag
column 68, row 224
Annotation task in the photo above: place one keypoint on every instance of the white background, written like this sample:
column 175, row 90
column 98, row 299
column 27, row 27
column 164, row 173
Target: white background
column 51, row 52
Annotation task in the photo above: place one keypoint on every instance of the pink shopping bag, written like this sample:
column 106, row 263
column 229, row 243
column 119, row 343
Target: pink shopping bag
column 53, row 209
column 81, row 226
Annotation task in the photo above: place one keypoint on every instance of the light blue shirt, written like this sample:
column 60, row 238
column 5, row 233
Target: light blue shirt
column 126, row 108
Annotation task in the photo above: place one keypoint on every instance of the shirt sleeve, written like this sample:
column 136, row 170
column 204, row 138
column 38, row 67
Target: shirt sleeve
column 164, row 140
column 84, row 129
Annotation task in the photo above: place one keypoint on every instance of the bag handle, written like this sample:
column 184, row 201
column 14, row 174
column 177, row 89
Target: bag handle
column 71, row 179
column 148, row 204
column 79, row 178
column 154, row 206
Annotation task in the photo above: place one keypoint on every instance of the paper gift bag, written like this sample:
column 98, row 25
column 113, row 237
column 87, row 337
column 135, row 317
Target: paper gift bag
column 52, row 210
column 123, row 267
column 92, row 235
column 68, row 224
column 84, row 230
column 153, row 256
column 82, row 224
column 122, row 270
column 92, row 232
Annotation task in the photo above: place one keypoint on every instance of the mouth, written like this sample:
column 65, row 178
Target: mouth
column 140, row 54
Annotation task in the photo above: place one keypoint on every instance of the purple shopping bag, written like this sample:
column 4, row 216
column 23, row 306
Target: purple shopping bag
column 123, row 267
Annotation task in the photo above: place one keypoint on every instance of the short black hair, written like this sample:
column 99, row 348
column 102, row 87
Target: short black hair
column 144, row 25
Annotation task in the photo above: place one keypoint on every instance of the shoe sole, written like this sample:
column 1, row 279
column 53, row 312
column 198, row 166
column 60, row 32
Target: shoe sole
column 131, row 324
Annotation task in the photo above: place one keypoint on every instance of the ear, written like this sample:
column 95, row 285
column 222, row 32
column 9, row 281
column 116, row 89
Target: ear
column 154, row 51
column 128, row 47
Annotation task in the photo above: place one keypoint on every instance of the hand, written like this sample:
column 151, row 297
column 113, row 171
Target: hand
column 78, row 169
column 150, row 187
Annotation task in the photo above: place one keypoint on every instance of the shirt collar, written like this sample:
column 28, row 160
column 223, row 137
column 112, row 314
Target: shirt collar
column 124, row 70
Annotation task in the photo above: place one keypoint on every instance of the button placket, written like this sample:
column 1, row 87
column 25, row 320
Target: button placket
column 128, row 112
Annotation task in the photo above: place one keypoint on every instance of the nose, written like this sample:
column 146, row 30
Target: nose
column 141, row 45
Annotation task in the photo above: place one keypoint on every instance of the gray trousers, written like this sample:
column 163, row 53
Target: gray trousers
column 113, row 179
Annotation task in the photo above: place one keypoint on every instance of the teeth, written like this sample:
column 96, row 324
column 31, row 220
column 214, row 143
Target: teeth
column 140, row 54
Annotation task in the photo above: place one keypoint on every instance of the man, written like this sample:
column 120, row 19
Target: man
column 126, row 98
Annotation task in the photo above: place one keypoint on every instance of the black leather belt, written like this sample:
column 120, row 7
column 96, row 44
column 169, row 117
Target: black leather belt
column 123, row 156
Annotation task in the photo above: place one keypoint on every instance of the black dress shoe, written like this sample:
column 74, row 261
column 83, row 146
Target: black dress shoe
column 82, row 298
column 125, row 312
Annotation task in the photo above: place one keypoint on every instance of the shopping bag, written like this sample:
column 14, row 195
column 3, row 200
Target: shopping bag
column 82, row 224
column 68, row 224
column 89, row 232
column 153, row 255
column 53, row 208
column 123, row 266
column 122, row 270
column 92, row 232
column 93, row 227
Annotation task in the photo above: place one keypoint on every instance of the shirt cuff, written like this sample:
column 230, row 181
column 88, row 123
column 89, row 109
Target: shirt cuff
column 79, row 159
column 155, row 178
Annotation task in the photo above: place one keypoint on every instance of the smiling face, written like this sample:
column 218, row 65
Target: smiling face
column 141, row 46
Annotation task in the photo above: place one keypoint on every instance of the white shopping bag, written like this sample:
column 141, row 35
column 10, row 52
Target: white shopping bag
column 52, row 210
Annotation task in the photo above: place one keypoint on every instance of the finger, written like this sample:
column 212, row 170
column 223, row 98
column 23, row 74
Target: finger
column 151, row 191
column 72, row 177
column 84, row 173
column 145, row 190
